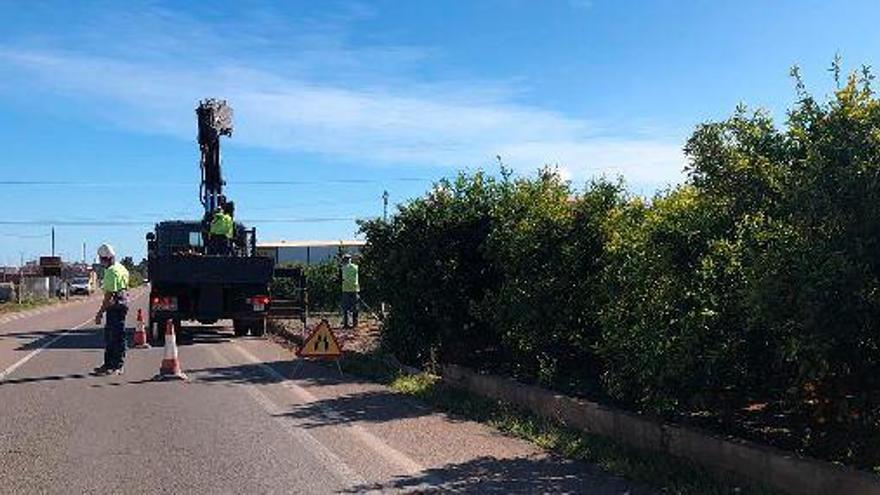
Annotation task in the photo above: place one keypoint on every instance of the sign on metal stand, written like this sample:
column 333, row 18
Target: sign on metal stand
column 321, row 344
column 50, row 266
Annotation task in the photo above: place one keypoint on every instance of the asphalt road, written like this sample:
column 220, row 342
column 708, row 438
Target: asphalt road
column 241, row 424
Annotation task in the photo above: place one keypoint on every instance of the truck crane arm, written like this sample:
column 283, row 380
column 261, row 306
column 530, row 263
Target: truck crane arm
column 215, row 120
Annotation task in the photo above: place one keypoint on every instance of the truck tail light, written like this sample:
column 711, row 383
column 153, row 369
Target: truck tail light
column 165, row 303
column 259, row 302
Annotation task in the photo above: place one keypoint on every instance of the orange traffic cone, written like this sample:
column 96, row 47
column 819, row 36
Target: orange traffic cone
column 140, row 335
column 170, row 369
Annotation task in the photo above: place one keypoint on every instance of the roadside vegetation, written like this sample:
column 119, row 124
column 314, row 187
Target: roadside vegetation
column 745, row 300
column 137, row 273
column 658, row 470
column 323, row 282
column 26, row 304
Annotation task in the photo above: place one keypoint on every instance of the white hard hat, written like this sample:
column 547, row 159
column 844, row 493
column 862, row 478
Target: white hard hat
column 106, row 251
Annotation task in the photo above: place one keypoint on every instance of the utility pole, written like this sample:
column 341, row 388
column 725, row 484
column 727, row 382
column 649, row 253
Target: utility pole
column 20, row 274
column 84, row 252
column 384, row 219
column 53, row 241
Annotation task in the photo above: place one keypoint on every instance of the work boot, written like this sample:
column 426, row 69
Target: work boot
column 102, row 371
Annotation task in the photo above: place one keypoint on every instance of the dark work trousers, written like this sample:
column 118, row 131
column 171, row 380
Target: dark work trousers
column 219, row 245
column 114, row 336
column 349, row 306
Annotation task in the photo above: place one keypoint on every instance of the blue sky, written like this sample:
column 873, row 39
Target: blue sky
column 337, row 101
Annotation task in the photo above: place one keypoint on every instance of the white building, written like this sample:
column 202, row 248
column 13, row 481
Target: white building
column 308, row 252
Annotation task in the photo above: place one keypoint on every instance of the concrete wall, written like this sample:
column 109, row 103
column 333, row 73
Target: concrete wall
column 783, row 470
column 36, row 287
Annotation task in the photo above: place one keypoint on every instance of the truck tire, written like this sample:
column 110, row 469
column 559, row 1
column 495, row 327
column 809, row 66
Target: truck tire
column 159, row 338
column 258, row 327
column 159, row 341
column 160, row 332
column 148, row 327
column 183, row 335
column 239, row 327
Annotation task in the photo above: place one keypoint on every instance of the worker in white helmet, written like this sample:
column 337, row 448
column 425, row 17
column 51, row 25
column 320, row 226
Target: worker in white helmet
column 115, row 305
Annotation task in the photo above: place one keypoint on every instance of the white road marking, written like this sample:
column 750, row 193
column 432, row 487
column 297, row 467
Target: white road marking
column 394, row 456
column 327, row 458
column 49, row 342
column 33, row 353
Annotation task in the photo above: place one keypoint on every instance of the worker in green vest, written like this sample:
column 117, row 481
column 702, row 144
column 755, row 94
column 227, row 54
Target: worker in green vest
column 220, row 232
column 115, row 306
column 350, row 292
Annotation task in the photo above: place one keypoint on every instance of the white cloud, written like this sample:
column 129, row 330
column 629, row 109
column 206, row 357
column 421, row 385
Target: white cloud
column 388, row 119
column 642, row 161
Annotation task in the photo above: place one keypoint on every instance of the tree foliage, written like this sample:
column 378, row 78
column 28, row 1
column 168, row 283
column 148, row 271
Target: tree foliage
column 323, row 285
column 757, row 280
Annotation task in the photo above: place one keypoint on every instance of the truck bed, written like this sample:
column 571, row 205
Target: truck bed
column 196, row 270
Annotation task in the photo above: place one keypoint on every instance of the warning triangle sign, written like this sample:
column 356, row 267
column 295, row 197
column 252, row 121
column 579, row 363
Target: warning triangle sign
column 321, row 343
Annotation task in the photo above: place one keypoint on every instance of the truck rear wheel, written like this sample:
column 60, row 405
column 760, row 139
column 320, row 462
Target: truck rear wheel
column 159, row 338
column 240, row 328
column 160, row 332
column 258, row 327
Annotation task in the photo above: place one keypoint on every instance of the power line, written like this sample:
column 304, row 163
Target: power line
column 25, row 236
column 306, row 204
column 331, row 181
column 73, row 223
column 301, row 220
column 153, row 183
column 138, row 223
column 145, row 218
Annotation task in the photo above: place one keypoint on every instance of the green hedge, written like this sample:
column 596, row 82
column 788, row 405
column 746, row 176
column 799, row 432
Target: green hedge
column 323, row 282
column 755, row 281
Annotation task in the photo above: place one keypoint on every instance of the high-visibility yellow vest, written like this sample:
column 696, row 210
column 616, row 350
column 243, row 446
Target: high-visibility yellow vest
column 350, row 278
column 222, row 225
column 115, row 278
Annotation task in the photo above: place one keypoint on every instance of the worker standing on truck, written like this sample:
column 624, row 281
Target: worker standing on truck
column 115, row 305
column 350, row 292
column 229, row 209
column 220, row 233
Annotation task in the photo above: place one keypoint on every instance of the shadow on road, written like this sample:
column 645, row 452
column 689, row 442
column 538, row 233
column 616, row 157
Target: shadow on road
column 233, row 375
column 203, row 335
column 307, row 372
column 204, row 338
column 548, row 474
column 78, row 339
column 30, row 334
column 51, row 378
column 376, row 406
column 93, row 338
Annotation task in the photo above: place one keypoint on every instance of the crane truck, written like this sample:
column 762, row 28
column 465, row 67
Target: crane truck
column 189, row 281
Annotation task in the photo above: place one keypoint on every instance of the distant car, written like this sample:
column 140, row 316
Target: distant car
column 7, row 292
column 80, row 286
